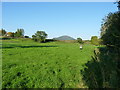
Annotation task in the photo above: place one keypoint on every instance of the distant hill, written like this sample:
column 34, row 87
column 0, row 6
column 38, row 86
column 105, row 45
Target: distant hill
column 65, row 37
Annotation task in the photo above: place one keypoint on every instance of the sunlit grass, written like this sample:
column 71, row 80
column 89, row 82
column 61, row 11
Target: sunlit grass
column 43, row 65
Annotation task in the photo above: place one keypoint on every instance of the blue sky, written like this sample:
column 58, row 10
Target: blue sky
column 76, row 19
column 58, row 0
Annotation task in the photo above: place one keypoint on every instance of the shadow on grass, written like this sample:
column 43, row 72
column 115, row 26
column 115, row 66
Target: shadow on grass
column 102, row 70
column 27, row 46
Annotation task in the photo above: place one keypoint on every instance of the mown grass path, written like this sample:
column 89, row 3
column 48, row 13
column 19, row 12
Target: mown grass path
column 43, row 65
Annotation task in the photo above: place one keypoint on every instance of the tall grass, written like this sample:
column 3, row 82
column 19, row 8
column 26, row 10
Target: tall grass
column 28, row 64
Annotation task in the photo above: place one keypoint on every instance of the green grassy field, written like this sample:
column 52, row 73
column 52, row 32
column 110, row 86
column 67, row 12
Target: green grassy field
column 43, row 65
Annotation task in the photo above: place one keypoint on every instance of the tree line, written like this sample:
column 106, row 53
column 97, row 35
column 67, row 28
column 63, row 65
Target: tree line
column 18, row 34
column 94, row 40
column 39, row 36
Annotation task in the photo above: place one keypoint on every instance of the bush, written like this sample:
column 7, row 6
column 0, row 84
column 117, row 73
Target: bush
column 26, row 36
column 94, row 40
column 101, row 71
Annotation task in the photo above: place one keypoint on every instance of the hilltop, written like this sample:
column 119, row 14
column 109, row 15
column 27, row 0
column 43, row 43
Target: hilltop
column 64, row 37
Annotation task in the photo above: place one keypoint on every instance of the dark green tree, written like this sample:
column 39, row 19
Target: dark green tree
column 111, row 37
column 103, row 71
column 2, row 32
column 110, row 31
column 39, row 36
column 34, row 38
column 79, row 40
column 19, row 33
